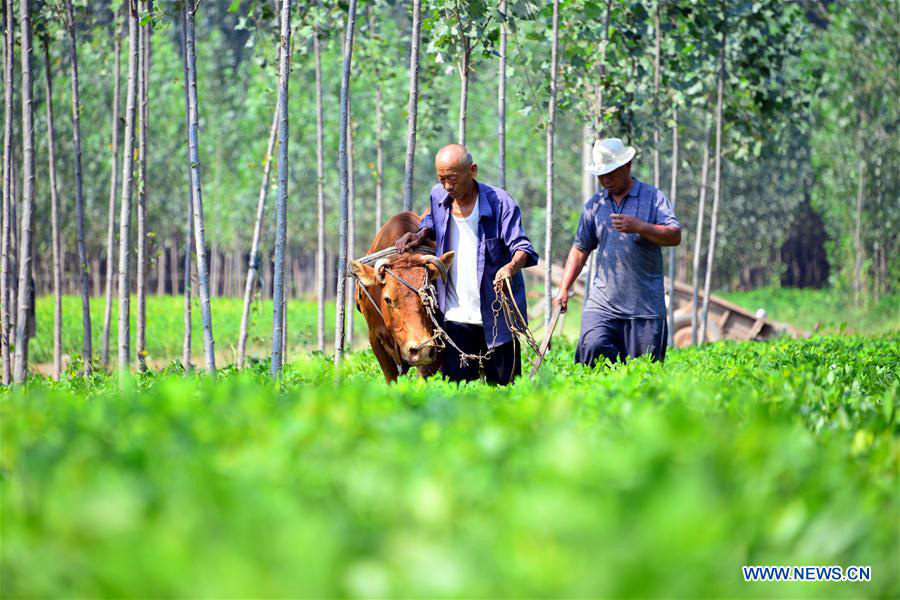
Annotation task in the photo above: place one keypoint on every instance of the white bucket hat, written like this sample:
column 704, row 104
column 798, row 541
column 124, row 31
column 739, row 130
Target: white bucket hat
column 608, row 155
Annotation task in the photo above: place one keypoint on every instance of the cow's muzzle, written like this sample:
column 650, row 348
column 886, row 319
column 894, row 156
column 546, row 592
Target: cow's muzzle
column 421, row 355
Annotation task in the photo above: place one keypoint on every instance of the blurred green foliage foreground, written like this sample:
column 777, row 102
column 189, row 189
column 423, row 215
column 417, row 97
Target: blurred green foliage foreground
column 642, row 480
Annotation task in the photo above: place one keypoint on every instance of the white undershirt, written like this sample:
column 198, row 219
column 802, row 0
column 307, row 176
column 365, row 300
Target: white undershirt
column 463, row 303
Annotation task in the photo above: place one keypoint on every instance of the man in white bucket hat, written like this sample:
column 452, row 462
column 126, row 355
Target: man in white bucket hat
column 627, row 222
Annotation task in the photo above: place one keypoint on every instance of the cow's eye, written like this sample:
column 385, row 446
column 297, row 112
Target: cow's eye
column 388, row 301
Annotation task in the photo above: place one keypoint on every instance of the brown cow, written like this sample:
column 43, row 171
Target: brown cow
column 403, row 337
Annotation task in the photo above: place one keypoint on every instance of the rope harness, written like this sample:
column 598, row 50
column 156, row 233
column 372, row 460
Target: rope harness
column 503, row 303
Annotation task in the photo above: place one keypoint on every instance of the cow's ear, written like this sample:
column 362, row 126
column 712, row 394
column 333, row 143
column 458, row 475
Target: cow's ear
column 439, row 266
column 364, row 273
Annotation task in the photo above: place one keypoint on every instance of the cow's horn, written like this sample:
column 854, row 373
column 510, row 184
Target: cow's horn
column 439, row 265
column 380, row 265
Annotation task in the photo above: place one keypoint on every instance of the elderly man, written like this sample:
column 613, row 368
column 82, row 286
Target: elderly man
column 627, row 223
column 483, row 225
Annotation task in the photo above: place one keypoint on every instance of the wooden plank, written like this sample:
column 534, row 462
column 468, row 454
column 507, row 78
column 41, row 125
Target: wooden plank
column 724, row 319
column 757, row 328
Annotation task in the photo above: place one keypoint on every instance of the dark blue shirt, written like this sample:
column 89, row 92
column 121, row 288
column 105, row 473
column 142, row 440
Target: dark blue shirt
column 629, row 279
column 500, row 235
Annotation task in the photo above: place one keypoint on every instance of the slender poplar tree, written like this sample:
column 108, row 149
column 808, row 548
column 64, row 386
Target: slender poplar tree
column 87, row 342
column 698, row 240
column 501, row 101
column 551, row 126
column 190, row 65
column 127, row 181
column 26, row 245
column 253, row 263
column 284, row 69
column 8, row 197
column 113, row 185
column 54, row 214
column 320, row 194
column 342, row 169
column 714, row 220
column 413, row 106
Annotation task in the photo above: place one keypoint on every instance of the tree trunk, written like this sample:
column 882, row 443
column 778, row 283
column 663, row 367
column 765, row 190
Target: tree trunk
column 321, row 285
column 379, row 141
column 284, row 334
column 87, row 348
column 14, row 257
column 161, row 272
column 96, row 281
column 142, row 258
column 173, row 264
column 551, row 125
column 588, row 189
column 8, row 197
column 299, row 280
column 111, row 214
column 857, row 240
column 127, row 177
column 698, row 240
column 196, row 192
column 186, row 362
column 351, row 228
column 284, row 69
column 186, row 350
column 342, row 169
column 597, row 117
column 672, row 197
column 656, row 73
column 213, row 271
column 413, row 106
column 26, row 244
column 501, row 102
column 710, row 256
column 463, row 90
column 54, row 217
column 379, row 161
column 253, row 263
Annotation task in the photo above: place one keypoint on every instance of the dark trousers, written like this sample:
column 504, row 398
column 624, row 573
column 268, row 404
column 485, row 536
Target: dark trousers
column 504, row 364
column 620, row 339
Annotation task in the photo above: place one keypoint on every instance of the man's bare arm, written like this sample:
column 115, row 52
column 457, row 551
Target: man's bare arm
column 519, row 259
column 574, row 264
column 661, row 235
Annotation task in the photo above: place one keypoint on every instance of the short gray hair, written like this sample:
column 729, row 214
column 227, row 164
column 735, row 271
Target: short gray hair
column 467, row 160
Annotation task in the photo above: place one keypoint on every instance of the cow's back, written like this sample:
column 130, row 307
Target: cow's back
column 395, row 227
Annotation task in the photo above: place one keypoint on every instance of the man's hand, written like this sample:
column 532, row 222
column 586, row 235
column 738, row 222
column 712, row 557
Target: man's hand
column 562, row 299
column 519, row 260
column 505, row 272
column 627, row 224
column 408, row 241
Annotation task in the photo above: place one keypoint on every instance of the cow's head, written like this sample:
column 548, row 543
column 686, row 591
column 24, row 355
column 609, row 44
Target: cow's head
column 402, row 310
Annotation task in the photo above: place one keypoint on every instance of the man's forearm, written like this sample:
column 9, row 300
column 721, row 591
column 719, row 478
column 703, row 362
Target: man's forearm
column 519, row 260
column 661, row 235
column 574, row 264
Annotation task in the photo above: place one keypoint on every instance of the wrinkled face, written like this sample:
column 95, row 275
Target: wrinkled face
column 404, row 315
column 617, row 181
column 456, row 178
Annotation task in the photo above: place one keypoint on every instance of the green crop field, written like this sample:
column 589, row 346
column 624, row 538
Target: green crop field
column 165, row 322
column 642, row 480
